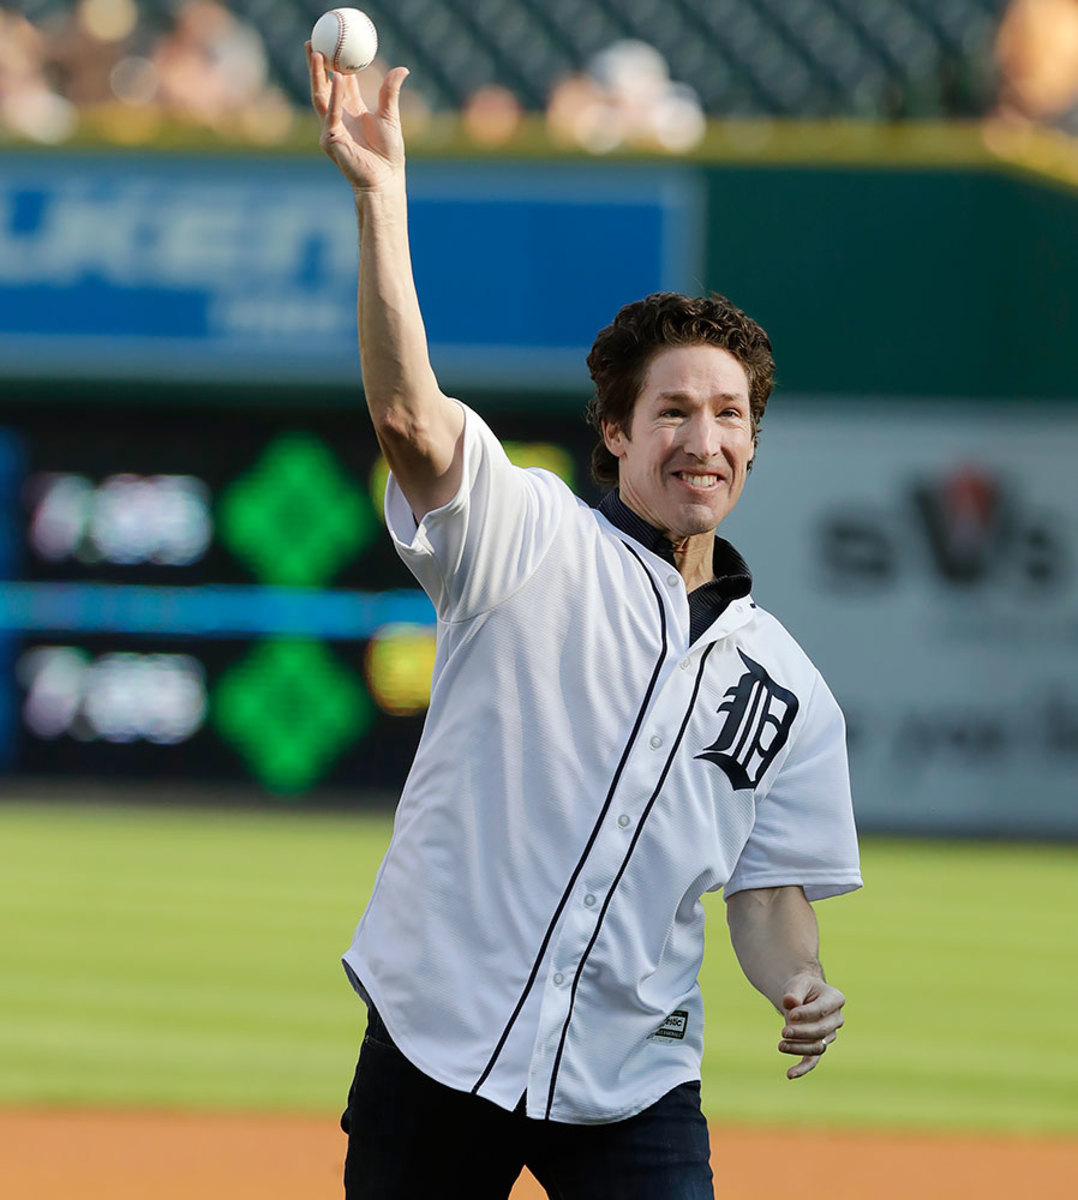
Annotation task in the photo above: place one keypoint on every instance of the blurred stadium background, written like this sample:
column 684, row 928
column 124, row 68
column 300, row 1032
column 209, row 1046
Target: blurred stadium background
column 198, row 607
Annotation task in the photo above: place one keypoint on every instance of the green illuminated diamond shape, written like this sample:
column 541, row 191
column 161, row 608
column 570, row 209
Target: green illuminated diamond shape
column 290, row 708
column 295, row 518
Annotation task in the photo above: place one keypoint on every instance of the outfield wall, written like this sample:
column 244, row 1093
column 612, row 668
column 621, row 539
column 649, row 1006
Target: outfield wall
column 178, row 373
column 872, row 278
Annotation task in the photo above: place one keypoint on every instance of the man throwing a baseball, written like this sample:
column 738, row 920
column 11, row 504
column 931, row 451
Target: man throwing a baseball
column 615, row 728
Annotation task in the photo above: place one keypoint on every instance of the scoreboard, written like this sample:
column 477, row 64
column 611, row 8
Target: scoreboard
column 196, row 594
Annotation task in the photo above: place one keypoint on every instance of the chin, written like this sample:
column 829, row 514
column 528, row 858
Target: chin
column 695, row 520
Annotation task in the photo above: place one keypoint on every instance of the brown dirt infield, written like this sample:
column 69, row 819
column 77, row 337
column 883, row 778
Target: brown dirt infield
column 133, row 1156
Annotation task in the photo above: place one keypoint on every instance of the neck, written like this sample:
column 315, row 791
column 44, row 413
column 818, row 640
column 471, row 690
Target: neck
column 694, row 553
column 695, row 558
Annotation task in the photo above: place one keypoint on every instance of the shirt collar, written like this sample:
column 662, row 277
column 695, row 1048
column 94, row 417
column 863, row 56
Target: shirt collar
column 733, row 579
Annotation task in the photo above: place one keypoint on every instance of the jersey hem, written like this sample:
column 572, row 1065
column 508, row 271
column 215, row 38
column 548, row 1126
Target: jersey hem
column 388, row 1017
column 622, row 1114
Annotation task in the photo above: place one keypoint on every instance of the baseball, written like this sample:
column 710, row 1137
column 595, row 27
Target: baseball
column 347, row 38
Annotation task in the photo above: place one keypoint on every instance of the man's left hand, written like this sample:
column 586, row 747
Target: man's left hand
column 813, row 1012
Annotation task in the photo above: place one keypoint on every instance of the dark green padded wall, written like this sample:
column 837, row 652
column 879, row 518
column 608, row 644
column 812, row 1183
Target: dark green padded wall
column 902, row 282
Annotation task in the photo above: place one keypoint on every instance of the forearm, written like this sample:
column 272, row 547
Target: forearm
column 775, row 937
column 398, row 379
column 417, row 426
column 777, row 942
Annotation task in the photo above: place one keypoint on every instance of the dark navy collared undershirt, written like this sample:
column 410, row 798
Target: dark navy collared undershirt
column 707, row 602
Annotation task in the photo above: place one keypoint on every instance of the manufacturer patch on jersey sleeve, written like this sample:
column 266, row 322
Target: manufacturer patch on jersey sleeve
column 674, row 1026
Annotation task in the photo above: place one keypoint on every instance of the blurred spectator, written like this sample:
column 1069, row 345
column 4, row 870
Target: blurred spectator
column 85, row 48
column 492, row 115
column 208, row 68
column 29, row 107
column 1037, row 56
column 212, row 69
column 577, row 115
column 210, row 65
column 625, row 98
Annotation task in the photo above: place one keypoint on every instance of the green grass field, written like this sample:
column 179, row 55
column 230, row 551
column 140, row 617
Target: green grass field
column 189, row 959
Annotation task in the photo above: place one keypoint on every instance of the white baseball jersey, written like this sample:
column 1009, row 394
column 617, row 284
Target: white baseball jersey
column 586, row 772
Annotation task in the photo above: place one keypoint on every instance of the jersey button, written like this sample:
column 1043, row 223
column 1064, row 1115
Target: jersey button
column 685, row 664
column 589, row 900
column 655, row 742
column 673, row 580
column 559, row 979
column 624, row 821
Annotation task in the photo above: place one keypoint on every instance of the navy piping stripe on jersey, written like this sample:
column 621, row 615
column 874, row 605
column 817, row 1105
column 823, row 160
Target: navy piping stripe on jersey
column 595, row 831
column 617, row 878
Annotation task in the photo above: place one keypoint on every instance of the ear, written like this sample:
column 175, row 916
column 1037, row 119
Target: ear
column 615, row 440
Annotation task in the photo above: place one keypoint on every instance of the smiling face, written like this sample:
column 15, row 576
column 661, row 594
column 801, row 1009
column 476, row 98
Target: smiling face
column 682, row 463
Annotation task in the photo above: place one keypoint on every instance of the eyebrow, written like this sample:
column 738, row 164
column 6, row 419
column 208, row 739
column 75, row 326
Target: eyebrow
column 739, row 396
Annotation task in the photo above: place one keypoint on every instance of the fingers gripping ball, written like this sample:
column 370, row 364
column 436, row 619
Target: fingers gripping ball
column 346, row 38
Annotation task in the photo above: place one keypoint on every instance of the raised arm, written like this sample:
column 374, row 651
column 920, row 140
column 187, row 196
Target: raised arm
column 418, row 427
column 776, row 939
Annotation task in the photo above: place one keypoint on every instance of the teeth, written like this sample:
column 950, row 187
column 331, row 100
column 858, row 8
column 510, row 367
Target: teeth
column 699, row 480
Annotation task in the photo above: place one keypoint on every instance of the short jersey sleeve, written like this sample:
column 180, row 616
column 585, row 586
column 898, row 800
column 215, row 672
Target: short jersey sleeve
column 804, row 830
column 480, row 547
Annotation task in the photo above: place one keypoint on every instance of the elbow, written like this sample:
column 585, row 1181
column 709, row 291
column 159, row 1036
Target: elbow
column 396, row 426
column 752, row 902
column 752, row 898
column 418, row 439
column 399, row 427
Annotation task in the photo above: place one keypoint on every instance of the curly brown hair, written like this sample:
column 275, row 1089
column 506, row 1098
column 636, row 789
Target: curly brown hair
column 622, row 353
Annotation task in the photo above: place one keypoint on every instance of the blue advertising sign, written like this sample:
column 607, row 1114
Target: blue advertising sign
column 199, row 269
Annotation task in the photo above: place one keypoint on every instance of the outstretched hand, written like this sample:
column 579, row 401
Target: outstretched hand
column 368, row 147
column 813, row 1011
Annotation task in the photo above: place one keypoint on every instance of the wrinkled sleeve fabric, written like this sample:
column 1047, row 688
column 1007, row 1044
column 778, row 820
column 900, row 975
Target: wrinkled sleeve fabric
column 804, row 830
column 475, row 551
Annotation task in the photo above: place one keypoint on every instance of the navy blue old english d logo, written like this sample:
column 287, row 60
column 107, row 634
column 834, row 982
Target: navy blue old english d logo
column 759, row 714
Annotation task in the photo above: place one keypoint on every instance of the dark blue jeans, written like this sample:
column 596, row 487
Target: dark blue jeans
column 410, row 1137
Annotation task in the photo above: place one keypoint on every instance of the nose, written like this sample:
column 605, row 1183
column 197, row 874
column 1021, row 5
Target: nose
column 702, row 437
